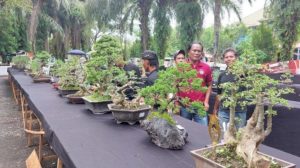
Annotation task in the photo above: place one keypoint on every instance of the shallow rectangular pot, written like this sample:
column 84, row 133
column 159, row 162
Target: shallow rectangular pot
column 75, row 99
column 129, row 116
column 97, row 107
column 202, row 162
column 63, row 92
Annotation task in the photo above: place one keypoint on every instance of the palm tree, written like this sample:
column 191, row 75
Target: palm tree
column 219, row 6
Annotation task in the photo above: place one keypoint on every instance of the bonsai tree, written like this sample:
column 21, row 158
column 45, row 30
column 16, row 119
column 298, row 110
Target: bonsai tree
column 20, row 62
column 163, row 93
column 100, row 70
column 42, row 56
column 260, row 90
column 69, row 74
column 160, row 125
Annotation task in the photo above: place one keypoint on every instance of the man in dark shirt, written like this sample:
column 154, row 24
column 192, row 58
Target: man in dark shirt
column 129, row 67
column 150, row 64
column 229, row 56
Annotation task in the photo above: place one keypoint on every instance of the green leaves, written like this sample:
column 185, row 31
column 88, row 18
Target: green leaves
column 170, row 82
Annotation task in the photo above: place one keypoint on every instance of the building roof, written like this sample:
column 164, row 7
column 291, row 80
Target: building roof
column 254, row 19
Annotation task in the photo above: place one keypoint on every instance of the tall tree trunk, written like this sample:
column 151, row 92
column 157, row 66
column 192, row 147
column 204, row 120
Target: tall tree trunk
column 145, row 6
column 34, row 23
column 161, row 28
column 217, row 26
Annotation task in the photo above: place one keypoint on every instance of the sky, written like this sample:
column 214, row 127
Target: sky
column 246, row 9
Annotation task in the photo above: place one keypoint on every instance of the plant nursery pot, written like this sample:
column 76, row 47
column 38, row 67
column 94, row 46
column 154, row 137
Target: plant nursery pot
column 203, row 162
column 64, row 92
column 97, row 107
column 41, row 80
column 75, row 99
column 127, row 115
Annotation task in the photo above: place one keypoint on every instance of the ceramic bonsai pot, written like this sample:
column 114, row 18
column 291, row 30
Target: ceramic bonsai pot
column 97, row 107
column 127, row 115
column 201, row 161
column 74, row 99
column 64, row 92
column 41, row 80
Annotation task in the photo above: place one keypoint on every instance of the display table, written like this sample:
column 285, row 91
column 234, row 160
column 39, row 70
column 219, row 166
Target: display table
column 84, row 140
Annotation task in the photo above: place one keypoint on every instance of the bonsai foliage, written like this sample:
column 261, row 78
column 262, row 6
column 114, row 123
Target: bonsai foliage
column 35, row 66
column 259, row 90
column 124, row 91
column 43, row 56
column 100, row 70
column 70, row 73
column 20, row 61
column 54, row 70
column 163, row 93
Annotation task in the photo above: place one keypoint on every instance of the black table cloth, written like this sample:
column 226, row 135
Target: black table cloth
column 84, row 140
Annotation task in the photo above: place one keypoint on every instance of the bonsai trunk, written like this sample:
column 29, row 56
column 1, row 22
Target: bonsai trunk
column 252, row 136
column 229, row 135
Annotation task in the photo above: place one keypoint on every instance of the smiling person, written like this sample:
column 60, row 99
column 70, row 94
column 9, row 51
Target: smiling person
column 229, row 56
column 195, row 55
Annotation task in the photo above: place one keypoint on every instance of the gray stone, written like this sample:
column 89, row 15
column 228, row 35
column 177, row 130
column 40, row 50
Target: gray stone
column 165, row 135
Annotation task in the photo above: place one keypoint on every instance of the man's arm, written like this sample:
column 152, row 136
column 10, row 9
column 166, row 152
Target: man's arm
column 207, row 95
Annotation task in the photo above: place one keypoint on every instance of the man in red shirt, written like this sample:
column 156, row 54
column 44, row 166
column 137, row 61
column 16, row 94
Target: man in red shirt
column 195, row 55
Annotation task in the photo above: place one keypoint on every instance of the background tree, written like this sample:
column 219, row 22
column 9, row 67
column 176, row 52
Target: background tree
column 189, row 15
column 284, row 17
column 162, row 28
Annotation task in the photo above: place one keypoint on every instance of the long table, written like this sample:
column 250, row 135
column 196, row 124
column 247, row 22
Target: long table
column 83, row 140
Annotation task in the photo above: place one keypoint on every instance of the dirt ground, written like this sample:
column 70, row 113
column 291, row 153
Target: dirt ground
column 13, row 142
column 12, row 138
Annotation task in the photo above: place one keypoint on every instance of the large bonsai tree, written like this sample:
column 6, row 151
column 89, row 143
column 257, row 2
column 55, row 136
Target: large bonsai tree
column 163, row 93
column 101, row 70
column 260, row 90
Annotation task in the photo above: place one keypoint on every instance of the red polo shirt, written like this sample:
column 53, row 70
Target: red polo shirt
column 203, row 72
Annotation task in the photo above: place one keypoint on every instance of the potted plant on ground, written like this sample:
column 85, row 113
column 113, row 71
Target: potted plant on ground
column 100, row 72
column 242, row 146
column 160, row 125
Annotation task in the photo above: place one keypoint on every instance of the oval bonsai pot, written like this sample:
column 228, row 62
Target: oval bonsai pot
column 97, row 107
column 75, row 99
column 130, row 116
column 201, row 161
column 64, row 92
column 41, row 80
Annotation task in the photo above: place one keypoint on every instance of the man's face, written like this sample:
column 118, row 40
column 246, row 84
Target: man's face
column 179, row 58
column 229, row 58
column 146, row 65
column 195, row 53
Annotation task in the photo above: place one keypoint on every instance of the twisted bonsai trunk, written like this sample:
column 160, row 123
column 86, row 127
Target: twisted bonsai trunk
column 252, row 136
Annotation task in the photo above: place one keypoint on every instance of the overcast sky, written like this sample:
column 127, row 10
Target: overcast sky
column 246, row 10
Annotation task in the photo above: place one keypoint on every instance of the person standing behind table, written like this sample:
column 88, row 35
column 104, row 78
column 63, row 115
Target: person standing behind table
column 195, row 55
column 179, row 57
column 129, row 67
column 229, row 56
column 150, row 64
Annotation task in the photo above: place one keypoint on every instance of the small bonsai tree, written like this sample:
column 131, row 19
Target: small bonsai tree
column 20, row 62
column 69, row 74
column 260, row 90
column 163, row 94
column 43, row 57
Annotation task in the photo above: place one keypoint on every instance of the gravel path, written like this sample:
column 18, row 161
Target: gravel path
column 13, row 150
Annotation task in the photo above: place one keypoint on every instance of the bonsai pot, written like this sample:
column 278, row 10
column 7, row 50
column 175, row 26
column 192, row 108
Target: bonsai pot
column 75, row 99
column 41, row 79
column 130, row 116
column 55, row 85
column 64, row 92
column 201, row 161
column 97, row 107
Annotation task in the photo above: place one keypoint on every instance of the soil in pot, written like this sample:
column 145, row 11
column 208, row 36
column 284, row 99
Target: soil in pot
column 224, row 156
